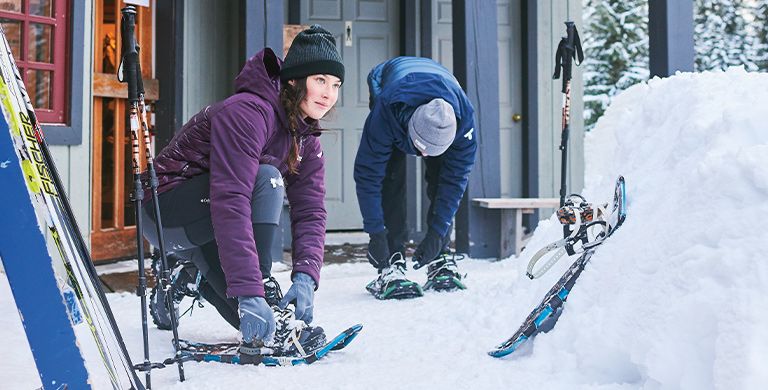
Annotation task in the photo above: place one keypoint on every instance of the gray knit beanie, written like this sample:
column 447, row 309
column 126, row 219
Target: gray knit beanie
column 432, row 127
column 313, row 51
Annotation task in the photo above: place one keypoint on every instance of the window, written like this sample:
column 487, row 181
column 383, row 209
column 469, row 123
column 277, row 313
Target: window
column 37, row 33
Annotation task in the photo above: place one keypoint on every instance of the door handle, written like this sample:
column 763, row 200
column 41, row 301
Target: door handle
column 348, row 33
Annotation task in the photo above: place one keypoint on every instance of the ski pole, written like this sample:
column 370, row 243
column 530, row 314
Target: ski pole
column 165, row 273
column 568, row 50
column 129, row 73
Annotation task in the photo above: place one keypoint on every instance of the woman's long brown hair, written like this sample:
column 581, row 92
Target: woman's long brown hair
column 291, row 97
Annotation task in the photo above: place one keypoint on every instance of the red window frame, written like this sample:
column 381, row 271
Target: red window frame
column 57, row 113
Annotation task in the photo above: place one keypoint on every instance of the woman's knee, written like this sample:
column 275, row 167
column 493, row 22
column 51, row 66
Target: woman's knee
column 268, row 194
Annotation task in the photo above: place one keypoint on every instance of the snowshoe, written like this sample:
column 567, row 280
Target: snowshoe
column 292, row 337
column 185, row 279
column 443, row 274
column 272, row 293
column 392, row 283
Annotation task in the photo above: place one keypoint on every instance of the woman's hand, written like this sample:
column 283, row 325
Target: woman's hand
column 302, row 294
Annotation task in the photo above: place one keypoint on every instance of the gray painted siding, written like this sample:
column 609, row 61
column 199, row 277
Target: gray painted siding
column 211, row 52
column 551, row 27
column 74, row 162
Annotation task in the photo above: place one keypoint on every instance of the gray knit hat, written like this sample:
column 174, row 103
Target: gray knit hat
column 432, row 127
column 313, row 51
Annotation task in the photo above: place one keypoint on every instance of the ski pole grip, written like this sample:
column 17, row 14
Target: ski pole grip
column 130, row 55
column 139, row 78
column 570, row 29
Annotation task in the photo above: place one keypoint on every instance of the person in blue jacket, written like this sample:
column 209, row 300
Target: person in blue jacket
column 417, row 108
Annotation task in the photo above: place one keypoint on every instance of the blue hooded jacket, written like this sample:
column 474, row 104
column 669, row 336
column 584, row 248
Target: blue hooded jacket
column 397, row 87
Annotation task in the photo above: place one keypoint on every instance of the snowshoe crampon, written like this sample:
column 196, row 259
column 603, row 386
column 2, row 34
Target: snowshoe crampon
column 392, row 283
column 443, row 275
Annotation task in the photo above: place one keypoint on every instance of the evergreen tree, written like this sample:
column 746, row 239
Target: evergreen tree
column 760, row 27
column 720, row 35
column 615, row 41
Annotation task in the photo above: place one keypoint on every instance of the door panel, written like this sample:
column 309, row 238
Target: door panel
column 113, row 224
column 374, row 39
column 510, row 94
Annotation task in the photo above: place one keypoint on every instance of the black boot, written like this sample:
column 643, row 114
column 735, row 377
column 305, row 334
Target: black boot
column 295, row 338
column 272, row 293
column 185, row 279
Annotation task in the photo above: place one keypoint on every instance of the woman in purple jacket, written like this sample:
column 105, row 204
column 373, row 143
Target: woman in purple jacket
column 223, row 177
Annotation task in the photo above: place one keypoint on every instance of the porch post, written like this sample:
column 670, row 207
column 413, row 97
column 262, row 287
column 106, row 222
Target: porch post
column 670, row 35
column 476, row 66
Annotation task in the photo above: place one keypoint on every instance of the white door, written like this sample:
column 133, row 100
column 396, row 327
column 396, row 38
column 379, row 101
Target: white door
column 367, row 33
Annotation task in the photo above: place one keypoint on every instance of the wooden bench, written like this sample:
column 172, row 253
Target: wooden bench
column 513, row 227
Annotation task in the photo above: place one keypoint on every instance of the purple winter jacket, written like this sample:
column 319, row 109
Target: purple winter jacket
column 230, row 139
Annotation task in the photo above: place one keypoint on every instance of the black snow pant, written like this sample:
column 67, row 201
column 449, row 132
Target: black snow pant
column 393, row 198
column 188, row 231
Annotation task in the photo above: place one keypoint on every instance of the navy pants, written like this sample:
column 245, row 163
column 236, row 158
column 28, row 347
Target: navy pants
column 188, row 230
column 393, row 199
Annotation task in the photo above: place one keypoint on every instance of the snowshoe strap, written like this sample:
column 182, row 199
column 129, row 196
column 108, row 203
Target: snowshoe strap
column 559, row 245
column 569, row 244
column 293, row 339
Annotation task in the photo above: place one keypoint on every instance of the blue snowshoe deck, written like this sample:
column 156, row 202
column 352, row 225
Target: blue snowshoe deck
column 229, row 352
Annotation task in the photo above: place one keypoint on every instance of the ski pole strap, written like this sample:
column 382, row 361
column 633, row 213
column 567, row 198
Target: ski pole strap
column 568, row 49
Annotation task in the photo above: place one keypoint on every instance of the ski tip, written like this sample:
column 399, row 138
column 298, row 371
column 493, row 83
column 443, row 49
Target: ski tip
column 499, row 353
column 356, row 328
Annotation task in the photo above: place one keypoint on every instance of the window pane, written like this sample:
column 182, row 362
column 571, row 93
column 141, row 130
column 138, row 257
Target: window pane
column 38, row 84
column 108, row 163
column 10, row 5
column 12, row 30
column 40, row 46
column 41, row 8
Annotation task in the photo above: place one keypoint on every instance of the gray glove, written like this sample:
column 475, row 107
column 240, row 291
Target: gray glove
column 302, row 294
column 257, row 320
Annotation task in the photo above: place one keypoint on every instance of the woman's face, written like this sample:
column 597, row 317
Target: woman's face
column 322, row 93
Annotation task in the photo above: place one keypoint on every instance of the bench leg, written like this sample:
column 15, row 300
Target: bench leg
column 519, row 231
column 507, row 240
column 512, row 233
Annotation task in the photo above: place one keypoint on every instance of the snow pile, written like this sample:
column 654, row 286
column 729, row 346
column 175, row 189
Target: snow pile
column 675, row 299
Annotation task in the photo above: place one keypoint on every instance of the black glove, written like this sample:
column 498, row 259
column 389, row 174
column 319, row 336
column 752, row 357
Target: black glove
column 428, row 249
column 378, row 250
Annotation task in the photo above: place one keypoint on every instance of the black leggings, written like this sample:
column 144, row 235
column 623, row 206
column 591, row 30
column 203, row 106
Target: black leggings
column 188, row 231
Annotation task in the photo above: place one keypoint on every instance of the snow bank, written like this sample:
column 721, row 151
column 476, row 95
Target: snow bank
column 676, row 296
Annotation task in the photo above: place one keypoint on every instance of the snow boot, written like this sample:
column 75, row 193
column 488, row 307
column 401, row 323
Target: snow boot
column 443, row 274
column 294, row 337
column 392, row 283
column 185, row 279
column 272, row 292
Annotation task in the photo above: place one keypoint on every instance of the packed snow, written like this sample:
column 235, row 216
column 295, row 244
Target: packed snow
column 673, row 300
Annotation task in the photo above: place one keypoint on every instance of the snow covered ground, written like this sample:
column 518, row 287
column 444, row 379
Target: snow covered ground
column 674, row 300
